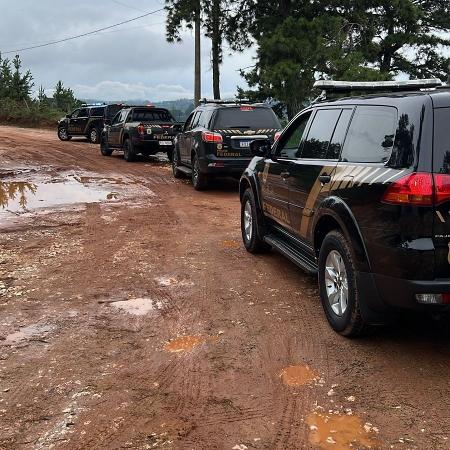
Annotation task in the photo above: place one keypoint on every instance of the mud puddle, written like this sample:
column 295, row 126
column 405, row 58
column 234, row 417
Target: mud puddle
column 138, row 306
column 298, row 375
column 187, row 343
column 340, row 432
column 28, row 332
column 22, row 196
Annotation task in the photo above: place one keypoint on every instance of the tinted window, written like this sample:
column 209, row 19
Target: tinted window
column 320, row 132
column 371, row 134
column 246, row 117
column 83, row 112
column 151, row 115
column 289, row 144
column 196, row 119
column 97, row 112
column 205, row 118
column 112, row 110
column 75, row 113
column 187, row 125
column 335, row 147
column 441, row 150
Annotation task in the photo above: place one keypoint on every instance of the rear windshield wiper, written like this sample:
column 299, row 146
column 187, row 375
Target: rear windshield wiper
column 239, row 126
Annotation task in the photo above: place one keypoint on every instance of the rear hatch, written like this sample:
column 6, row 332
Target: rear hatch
column 239, row 125
column 159, row 124
column 441, row 169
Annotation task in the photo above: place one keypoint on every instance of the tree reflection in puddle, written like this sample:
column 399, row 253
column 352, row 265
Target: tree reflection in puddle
column 17, row 192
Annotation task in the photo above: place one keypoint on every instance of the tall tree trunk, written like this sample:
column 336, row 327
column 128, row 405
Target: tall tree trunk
column 197, row 70
column 216, row 47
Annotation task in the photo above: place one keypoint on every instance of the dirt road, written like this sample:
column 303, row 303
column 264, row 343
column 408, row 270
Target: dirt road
column 131, row 316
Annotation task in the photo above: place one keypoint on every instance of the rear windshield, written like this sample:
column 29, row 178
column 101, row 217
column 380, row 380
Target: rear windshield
column 441, row 151
column 246, row 117
column 152, row 115
column 112, row 110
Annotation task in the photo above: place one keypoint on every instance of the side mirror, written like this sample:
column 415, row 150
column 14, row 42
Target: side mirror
column 68, row 116
column 260, row 147
column 107, row 121
column 178, row 127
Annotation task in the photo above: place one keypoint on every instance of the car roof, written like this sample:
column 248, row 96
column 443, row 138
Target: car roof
column 440, row 97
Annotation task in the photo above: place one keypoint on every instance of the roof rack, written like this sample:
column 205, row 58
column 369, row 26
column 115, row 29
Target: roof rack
column 385, row 86
column 228, row 102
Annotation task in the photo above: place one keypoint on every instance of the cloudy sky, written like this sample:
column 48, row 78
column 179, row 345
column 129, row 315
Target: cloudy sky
column 132, row 61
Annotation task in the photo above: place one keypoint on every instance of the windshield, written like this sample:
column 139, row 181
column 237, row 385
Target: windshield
column 112, row 110
column 152, row 115
column 246, row 117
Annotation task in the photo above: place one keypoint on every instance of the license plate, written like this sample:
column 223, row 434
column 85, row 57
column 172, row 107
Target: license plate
column 245, row 144
column 165, row 142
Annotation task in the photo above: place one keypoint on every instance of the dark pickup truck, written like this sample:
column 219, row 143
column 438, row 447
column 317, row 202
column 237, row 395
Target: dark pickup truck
column 142, row 130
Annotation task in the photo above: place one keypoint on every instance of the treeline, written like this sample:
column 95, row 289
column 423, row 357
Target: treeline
column 300, row 41
column 17, row 104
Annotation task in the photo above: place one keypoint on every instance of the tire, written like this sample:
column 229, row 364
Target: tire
column 251, row 226
column 104, row 147
column 199, row 179
column 94, row 135
column 177, row 173
column 128, row 151
column 339, row 291
column 63, row 135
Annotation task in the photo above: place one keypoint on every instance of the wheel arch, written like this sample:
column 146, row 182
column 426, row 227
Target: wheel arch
column 335, row 214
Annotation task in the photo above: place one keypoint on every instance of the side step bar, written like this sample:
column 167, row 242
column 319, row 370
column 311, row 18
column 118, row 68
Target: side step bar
column 301, row 259
column 186, row 170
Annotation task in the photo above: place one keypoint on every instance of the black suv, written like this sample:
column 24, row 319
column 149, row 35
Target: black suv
column 144, row 130
column 216, row 137
column 86, row 121
column 357, row 191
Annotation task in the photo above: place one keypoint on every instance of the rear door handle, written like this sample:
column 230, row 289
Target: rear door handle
column 324, row 178
column 285, row 175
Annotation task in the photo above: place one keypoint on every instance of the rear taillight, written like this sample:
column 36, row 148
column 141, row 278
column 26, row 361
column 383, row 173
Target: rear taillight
column 277, row 136
column 441, row 188
column 414, row 189
column 141, row 128
column 215, row 138
column 421, row 189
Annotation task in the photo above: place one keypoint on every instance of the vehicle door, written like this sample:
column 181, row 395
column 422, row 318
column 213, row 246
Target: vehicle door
column 116, row 128
column 181, row 138
column 73, row 126
column 275, row 176
column 187, row 147
column 310, row 175
column 82, row 120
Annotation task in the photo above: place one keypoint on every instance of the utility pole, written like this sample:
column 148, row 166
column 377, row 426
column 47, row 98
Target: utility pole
column 197, row 70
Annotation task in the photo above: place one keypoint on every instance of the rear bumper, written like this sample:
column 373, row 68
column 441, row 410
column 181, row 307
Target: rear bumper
column 213, row 165
column 382, row 292
column 151, row 144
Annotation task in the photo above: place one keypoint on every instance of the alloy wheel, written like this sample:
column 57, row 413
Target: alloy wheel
column 248, row 221
column 336, row 282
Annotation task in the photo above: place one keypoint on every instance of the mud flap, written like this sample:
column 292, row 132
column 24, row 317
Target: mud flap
column 373, row 310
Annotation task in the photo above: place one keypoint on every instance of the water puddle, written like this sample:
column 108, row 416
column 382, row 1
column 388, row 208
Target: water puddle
column 340, row 432
column 298, row 375
column 28, row 333
column 187, row 343
column 230, row 244
column 21, row 196
column 138, row 306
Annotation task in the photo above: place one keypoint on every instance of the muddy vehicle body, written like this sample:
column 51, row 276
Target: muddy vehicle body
column 87, row 121
column 140, row 130
column 357, row 192
column 216, row 137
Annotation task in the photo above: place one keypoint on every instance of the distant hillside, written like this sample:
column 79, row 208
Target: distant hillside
column 180, row 109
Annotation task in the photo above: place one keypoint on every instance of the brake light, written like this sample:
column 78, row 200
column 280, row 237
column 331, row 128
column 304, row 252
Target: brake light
column 141, row 128
column 414, row 189
column 210, row 137
column 441, row 188
column 246, row 108
column 277, row 136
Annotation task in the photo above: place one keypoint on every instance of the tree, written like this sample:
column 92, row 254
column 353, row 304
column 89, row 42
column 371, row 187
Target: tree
column 21, row 84
column 298, row 42
column 64, row 98
column 217, row 19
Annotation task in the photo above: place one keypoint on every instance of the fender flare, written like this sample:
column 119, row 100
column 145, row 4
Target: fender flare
column 338, row 210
